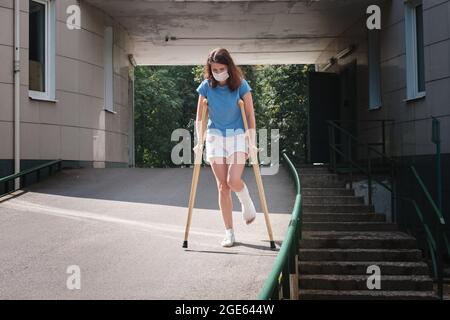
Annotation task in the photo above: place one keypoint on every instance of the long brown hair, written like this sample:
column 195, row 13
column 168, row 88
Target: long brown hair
column 222, row 56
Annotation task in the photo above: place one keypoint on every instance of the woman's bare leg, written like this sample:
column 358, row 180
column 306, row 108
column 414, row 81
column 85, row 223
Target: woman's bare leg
column 234, row 180
column 235, row 170
column 220, row 170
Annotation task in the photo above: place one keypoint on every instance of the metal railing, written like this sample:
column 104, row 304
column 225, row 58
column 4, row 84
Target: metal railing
column 353, row 165
column 382, row 126
column 282, row 282
column 23, row 175
column 436, row 237
column 437, row 241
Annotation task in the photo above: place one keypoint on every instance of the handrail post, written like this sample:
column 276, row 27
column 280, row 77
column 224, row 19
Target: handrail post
column 383, row 136
column 293, row 280
column 369, row 176
column 439, row 261
column 276, row 293
column 330, row 149
column 294, row 271
column 285, row 281
column 436, row 139
column 350, row 161
column 393, row 194
column 333, row 151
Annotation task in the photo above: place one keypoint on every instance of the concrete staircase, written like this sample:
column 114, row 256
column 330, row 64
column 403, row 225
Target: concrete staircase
column 342, row 237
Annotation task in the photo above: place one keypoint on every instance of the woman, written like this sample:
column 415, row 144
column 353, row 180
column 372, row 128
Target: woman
column 226, row 139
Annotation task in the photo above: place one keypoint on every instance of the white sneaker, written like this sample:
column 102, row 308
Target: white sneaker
column 228, row 241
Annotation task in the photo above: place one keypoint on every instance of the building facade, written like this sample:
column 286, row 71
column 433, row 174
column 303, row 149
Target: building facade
column 400, row 74
column 75, row 82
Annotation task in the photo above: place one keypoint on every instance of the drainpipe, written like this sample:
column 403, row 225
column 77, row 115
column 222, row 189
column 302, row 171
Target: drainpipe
column 17, row 92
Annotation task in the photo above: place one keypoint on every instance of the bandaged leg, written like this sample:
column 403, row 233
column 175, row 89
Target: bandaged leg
column 248, row 208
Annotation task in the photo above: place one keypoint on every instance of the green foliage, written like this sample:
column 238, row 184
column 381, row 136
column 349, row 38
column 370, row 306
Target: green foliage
column 282, row 92
column 165, row 99
column 162, row 99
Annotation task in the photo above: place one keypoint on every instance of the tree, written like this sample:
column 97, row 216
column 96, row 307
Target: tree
column 166, row 100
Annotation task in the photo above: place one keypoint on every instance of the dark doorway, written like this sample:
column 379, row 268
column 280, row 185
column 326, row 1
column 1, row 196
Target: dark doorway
column 323, row 105
column 347, row 104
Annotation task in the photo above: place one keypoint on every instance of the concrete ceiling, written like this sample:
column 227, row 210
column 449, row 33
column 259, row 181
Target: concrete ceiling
column 182, row 32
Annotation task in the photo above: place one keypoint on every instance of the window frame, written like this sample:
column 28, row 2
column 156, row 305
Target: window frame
column 412, row 63
column 50, row 54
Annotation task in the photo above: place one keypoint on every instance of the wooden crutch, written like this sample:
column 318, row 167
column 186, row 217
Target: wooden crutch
column 254, row 159
column 197, row 162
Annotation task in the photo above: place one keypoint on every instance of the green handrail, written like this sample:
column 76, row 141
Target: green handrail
column 427, row 194
column 433, row 204
column 430, row 240
column 285, row 259
column 425, row 225
column 24, row 173
column 28, row 171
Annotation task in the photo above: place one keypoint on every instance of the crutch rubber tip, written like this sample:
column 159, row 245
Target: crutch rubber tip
column 185, row 245
column 272, row 245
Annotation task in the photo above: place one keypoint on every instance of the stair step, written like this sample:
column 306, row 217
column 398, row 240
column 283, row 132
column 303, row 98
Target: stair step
column 349, row 226
column 356, row 239
column 343, row 217
column 376, row 169
column 358, row 234
column 336, row 254
column 365, row 295
column 320, row 175
column 325, row 200
column 307, row 208
column 321, row 180
column 360, row 267
column 312, row 170
column 312, row 165
column 338, row 184
column 327, row 192
column 359, row 282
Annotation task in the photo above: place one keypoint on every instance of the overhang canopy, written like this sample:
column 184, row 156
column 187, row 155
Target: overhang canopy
column 182, row 32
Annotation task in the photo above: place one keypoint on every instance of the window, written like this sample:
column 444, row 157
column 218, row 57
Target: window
column 108, row 69
column 374, row 69
column 42, row 49
column 415, row 69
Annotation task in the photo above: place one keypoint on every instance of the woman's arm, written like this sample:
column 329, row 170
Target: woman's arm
column 198, row 120
column 250, row 115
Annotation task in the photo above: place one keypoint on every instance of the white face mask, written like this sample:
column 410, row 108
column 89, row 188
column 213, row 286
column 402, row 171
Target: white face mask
column 221, row 76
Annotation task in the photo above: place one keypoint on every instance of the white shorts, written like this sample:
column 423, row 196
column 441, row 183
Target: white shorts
column 224, row 146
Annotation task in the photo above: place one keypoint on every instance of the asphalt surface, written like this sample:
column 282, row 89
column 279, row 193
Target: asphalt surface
column 124, row 227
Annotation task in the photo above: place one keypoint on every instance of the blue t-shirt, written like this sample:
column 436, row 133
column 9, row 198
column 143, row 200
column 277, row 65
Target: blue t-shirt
column 223, row 107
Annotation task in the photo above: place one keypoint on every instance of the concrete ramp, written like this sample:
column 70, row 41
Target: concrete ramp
column 124, row 229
